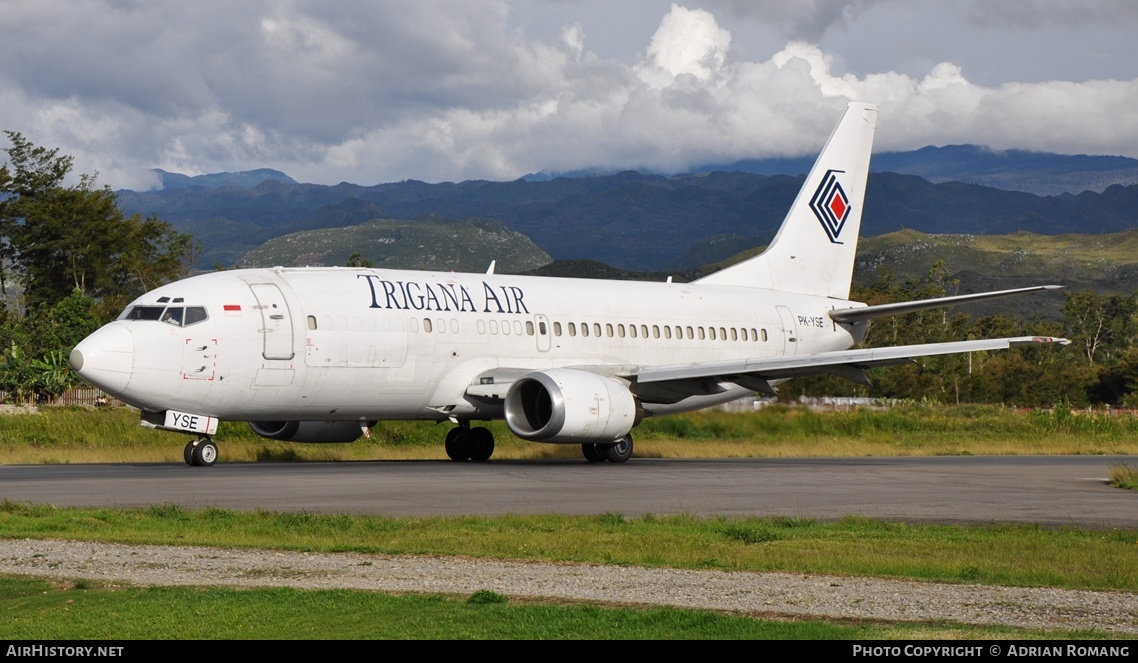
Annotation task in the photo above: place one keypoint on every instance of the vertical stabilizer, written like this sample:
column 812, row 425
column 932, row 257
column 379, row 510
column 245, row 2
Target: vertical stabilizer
column 813, row 252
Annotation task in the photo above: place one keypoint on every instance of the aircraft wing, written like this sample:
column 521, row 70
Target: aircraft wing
column 664, row 384
column 756, row 374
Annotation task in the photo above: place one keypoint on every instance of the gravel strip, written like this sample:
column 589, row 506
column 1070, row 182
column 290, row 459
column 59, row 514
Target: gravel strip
column 752, row 593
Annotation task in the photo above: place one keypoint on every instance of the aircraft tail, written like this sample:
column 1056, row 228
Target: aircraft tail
column 813, row 252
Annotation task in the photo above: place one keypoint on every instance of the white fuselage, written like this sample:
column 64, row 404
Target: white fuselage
column 349, row 344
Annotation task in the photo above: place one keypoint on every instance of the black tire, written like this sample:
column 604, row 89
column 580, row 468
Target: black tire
column 205, row 453
column 457, row 444
column 480, row 444
column 188, row 453
column 621, row 451
column 593, row 453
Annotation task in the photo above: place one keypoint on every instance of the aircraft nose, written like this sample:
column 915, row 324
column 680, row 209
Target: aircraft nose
column 105, row 359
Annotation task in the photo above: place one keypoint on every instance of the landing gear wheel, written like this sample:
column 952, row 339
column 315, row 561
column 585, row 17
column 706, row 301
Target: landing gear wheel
column 205, row 453
column 458, row 444
column 593, row 453
column 621, row 451
column 188, row 453
column 480, row 444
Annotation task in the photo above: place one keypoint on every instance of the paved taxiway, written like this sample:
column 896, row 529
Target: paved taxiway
column 1049, row 490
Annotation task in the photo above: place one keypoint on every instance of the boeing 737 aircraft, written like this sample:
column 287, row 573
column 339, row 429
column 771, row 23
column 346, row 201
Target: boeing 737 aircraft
column 322, row 354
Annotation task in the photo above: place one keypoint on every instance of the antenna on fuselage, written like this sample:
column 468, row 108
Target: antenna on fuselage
column 490, row 269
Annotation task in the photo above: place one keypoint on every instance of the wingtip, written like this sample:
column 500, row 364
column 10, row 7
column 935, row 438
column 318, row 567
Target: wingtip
column 1039, row 340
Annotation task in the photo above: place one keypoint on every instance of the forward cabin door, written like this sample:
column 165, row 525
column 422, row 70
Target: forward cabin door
column 276, row 321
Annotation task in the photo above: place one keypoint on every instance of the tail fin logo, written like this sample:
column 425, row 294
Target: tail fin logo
column 831, row 205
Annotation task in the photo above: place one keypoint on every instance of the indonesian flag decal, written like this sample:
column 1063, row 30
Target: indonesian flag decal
column 831, row 205
column 232, row 309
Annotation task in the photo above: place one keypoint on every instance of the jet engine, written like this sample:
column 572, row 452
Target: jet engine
column 569, row 406
column 308, row 431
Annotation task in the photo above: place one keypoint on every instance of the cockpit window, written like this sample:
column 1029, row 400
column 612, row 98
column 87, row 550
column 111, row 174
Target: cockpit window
column 180, row 316
column 173, row 315
column 144, row 313
column 195, row 314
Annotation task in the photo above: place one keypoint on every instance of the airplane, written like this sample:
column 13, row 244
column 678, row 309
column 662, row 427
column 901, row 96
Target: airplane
column 322, row 354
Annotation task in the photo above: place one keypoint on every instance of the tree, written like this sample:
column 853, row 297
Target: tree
column 357, row 260
column 33, row 173
column 1103, row 326
column 59, row 239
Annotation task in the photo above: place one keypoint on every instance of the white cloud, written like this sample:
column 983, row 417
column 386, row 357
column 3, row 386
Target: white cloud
column 687, row 42
column 437, row 90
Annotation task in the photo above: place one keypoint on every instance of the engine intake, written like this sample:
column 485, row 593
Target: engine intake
column 308, row 431
column 569, row 406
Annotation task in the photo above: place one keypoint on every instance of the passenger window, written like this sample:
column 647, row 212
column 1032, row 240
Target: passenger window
column 311, row 322
column 667, row 332
column 584, row 329
column 608, row 329
column 529, row 327
column 701, row 336
column 427, row 326
column 632, row 331
column 596, row 329
column 481, row 324
column 572, row 329
column 494, row 327
column 620, row 331
column 764, row 335
column 711, row 330
column 557, row 329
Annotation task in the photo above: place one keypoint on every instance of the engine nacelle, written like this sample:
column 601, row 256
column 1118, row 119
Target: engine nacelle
column 569, row 406
column 308, row 431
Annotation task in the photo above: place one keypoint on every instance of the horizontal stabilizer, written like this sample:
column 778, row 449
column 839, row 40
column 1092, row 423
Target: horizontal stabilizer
column 846, row 315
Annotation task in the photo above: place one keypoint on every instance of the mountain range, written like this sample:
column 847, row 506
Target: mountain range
column 651, row 222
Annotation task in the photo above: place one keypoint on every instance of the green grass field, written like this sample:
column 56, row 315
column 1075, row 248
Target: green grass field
column 112, row 435
column 1010, row 555
column 40, row 610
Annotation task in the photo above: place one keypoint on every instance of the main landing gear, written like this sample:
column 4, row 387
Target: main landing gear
column 466, row 443
column 614, row 453
column 201, row 451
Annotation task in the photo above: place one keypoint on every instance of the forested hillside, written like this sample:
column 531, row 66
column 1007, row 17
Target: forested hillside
column 628, row 220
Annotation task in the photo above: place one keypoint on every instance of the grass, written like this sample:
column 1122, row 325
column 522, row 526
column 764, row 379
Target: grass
column 1013, row 555
column 1010, row 555
column 40, row 610
column 1124, row 476
column 112, row 435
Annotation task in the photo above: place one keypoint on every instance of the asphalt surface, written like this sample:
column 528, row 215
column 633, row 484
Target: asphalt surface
column 1048, row 490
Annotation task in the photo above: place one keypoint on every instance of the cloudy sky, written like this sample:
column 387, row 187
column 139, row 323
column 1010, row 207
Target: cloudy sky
column 387, row 90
